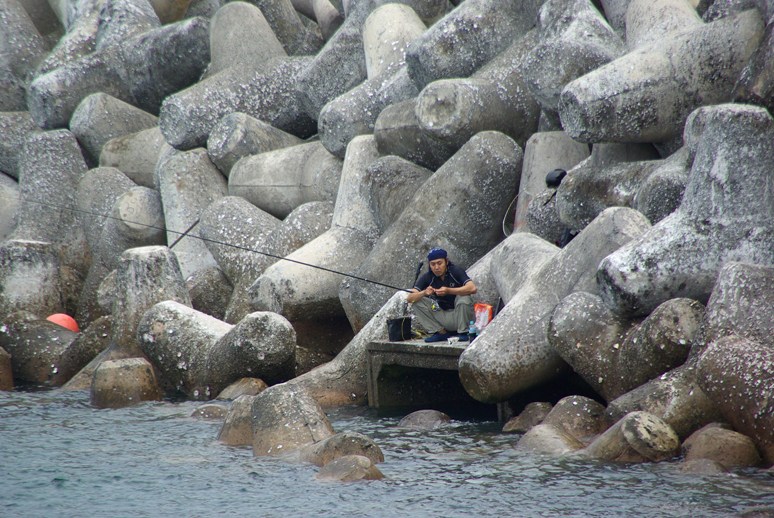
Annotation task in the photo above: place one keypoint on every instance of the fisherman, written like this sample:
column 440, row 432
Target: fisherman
column 442, row 300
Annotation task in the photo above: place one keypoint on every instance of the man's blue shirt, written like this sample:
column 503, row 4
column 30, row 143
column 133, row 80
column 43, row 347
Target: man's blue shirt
column 455, row 277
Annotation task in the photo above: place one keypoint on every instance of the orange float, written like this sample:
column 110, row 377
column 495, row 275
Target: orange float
column 65, row 321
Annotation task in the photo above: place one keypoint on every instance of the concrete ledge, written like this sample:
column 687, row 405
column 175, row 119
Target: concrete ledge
column 412, row 375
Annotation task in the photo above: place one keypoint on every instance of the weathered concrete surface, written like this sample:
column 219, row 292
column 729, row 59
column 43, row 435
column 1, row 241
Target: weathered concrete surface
column 735, row 374
column 15, row 127
column 50, row 167
column 125, row 382
column 339, row 445
column 516, row 259
column 615, row 356
column 725, row 215
column 307, row 222
column 548, row 439
column 638, row 437
column 240, row 36
column 145, row 276
column 136, row 219
column 238, row 135
column 30, row 277
column 188, row 183
column 466, row 225
column 308, row 296
column 513, row 352
column 494, row 98
column 532, row 415
column 392, row 182
column 242, row 387
column 101, row 117
column 261, row 345
column 728, row 448
column 120, row 20
column 6, row 371
column 135, row 155
column 141, row 70
column 297, row 37
column 386, row 33
column 237, row 429
column 286, row 418
column 675, row 397
column 424, row 420
column 98, row 189
column 280, row 180
column 688, row 70
column 544, row 152
column 574, row 40
column 579, row 417
column 468, row 37
column 239, row 236
column 38, row 349
column 265, row 92
column 349, row 468
column 649, row 22
column 397, row 132
column 740, row 304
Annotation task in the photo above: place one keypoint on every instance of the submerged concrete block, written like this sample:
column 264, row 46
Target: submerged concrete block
column 122, row 383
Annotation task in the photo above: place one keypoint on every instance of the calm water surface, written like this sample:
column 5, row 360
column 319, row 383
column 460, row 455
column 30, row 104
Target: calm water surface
column 61, row 457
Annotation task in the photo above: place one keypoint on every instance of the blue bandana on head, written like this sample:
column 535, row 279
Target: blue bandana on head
column 436, row 253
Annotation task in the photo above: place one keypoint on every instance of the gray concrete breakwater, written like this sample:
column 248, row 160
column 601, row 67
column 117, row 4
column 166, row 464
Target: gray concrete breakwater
column 152, row 148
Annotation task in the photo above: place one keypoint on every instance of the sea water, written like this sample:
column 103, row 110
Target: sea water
column 59, row 456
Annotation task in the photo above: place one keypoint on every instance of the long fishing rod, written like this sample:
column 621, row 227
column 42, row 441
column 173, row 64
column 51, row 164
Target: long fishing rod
column 214, row 241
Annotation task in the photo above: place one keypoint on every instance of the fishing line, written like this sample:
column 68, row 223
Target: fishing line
column 214, row 241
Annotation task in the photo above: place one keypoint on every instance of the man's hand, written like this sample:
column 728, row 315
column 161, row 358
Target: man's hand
column 442, row 291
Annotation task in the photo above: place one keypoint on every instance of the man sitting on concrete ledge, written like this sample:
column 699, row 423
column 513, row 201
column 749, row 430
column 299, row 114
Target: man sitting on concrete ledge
column 442, row 298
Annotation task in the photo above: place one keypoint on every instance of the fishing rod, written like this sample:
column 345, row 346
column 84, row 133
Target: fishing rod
column 214, row 241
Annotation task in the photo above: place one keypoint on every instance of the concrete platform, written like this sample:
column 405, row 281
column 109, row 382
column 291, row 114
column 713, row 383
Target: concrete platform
column 414, row 375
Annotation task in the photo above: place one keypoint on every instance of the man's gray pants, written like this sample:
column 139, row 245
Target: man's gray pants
column 453, row 320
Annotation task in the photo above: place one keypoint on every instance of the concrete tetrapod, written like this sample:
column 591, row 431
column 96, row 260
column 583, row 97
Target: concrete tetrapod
column 727, row 214
column 141, row 70
column 574, row 40
column 513, row 352
column 680, row 73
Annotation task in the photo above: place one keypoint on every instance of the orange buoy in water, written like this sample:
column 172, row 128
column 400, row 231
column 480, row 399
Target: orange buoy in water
column 65, row 321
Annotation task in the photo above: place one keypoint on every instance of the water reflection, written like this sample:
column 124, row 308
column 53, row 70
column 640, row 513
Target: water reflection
column 60, row 457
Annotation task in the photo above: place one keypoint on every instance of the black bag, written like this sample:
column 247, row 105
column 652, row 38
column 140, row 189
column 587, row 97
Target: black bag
column 399, row 329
